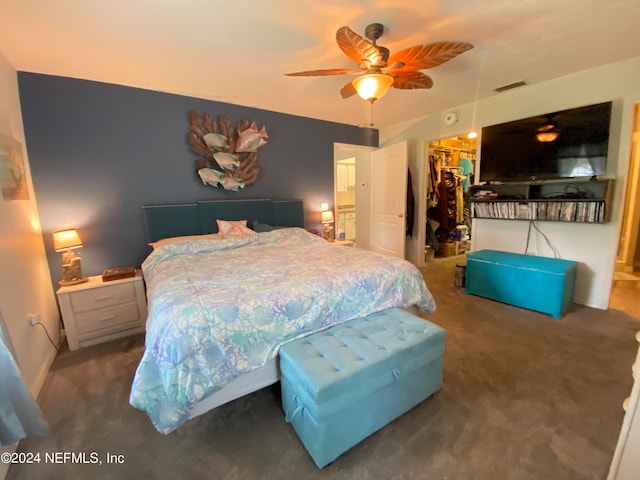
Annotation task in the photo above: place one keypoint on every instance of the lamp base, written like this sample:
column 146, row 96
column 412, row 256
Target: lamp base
column 72, row 271
column 327, row 234
column 66, row 283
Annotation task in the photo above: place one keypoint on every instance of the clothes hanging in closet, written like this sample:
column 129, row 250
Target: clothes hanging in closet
column 446, row 211
column 467, row 170
column 410, row 206
column 432, row 185
column 431, row 237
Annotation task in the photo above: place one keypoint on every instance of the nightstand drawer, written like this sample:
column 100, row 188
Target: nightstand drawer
column 103, row 297
column 103, row 320
column 96, row 311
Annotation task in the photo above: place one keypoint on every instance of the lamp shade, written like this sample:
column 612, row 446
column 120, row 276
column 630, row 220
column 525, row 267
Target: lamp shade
column 327, row 216
column 66, row 239
column 373, row 86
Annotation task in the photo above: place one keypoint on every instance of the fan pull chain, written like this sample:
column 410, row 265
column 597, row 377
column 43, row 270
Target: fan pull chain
column 370, row 114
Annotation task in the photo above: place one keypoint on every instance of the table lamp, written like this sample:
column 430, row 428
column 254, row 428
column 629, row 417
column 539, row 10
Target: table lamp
column 66, row 241
column 327, row 220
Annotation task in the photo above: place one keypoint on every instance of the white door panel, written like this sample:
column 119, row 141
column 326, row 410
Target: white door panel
column 388, row 199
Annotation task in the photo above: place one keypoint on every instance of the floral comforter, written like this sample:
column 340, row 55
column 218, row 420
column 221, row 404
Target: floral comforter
column 221, row 308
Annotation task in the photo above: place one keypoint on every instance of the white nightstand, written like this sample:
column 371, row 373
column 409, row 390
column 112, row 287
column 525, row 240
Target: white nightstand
column 344, row 243
column 97, row 311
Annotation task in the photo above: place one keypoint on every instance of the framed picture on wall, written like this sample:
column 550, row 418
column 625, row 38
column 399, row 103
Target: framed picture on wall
column 13, row 173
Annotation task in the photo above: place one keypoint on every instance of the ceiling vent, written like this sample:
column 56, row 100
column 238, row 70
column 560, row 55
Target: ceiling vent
column 510, row 86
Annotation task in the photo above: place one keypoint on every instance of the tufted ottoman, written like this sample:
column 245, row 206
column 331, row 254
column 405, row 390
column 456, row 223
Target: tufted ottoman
column 342, row 384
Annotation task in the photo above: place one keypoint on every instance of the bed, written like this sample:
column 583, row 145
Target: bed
column 220, row 307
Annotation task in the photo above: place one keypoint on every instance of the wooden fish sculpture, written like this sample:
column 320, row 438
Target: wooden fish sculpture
column 228, row 155
column 251, row 139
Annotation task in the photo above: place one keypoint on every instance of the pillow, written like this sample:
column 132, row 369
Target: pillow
column 165, row 241
column 263, row 227
column 234, row 229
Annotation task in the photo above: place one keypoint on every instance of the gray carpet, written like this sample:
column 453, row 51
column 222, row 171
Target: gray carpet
column 524, row 397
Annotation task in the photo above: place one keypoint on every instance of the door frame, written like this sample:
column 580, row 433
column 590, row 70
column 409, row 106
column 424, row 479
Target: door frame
column 362, row 172
column 422, row 179
column 626, row 260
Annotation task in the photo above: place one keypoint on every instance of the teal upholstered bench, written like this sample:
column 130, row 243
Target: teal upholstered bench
column 342, row 384
column 537, row 283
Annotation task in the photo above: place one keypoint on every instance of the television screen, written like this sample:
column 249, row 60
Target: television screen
column 566, row 144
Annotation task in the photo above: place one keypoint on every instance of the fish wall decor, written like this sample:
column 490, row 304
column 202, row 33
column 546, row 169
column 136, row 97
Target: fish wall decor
column 228, row 155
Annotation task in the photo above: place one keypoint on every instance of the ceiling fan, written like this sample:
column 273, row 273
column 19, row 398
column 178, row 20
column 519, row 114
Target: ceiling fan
column 548, row 131
column 379, row 69
column 546, row 128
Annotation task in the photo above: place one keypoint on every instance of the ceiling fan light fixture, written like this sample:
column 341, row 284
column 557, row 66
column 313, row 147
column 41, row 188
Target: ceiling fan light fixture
column 546, row 137
column 547, row 133
column 373, row 86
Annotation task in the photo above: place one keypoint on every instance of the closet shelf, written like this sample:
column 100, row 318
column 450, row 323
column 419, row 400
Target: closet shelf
column 444, row 149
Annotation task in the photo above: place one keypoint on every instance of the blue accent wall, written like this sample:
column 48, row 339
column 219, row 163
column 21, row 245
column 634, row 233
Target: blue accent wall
column 98, row 152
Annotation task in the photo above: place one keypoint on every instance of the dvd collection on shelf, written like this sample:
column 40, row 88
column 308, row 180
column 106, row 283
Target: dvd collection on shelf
column 576, row 211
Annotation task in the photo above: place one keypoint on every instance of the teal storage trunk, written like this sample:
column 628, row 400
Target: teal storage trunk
column 536, row 283
column 342, row 384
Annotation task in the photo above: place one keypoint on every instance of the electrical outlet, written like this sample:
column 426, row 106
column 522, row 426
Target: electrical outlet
column 33, row 319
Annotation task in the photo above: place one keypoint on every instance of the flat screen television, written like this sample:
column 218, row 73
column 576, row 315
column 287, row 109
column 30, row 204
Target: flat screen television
column 518, row 150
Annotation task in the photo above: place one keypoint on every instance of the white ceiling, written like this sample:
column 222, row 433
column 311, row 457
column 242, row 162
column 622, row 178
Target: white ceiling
column 237, row 51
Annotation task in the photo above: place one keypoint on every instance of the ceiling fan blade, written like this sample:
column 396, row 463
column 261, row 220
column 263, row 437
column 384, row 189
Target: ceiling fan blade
column 411, row 80
column 323, row 72
column 348, row 90
column 359, row 49
column 420, row 57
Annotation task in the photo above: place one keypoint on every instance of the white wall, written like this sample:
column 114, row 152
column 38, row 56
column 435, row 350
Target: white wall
column 25, row 284
column 626, row 462
column 594, row 246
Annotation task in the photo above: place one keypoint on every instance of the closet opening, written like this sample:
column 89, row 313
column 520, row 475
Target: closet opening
column 451, row 168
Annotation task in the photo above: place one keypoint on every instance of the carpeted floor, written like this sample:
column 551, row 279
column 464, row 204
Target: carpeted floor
column 524, row 397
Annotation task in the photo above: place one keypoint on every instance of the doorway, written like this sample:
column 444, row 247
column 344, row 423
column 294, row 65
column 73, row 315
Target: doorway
column 351, row 192
column 450, row 168
column 626, row 277
column 346, row 199
column 379, row 206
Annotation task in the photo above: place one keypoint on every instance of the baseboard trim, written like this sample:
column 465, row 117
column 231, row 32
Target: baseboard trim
column 36, row 386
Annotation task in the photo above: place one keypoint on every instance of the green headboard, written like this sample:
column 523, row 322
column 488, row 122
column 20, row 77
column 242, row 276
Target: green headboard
column 162, row 221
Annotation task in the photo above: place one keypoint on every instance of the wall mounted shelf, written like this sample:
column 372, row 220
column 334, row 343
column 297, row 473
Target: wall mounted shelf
column 576, row 201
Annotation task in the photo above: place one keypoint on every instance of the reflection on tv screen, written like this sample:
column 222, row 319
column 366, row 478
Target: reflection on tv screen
column 516, row 151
